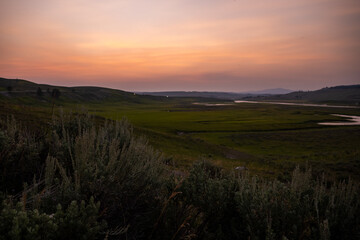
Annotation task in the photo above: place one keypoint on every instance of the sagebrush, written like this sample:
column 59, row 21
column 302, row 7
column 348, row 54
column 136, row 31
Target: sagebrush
column 81, row 179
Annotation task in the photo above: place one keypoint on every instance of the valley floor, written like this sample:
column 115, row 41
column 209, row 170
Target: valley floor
column 269, row 140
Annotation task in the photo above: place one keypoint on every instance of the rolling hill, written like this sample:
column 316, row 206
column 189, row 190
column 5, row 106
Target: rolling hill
column 215, row 95
column 23, row 90
column 218, row 95
column 349, row 94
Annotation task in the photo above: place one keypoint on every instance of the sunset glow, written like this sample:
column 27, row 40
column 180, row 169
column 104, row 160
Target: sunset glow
column 224, row 45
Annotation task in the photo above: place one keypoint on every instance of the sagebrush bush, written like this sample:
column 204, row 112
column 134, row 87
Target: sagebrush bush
column 110, row 164
column 85, row 160
column 77, row 221
column 20, row 153
column 241, row 207
column 82, row 180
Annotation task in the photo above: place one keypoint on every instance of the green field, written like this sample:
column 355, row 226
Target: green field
column 267, row 139
column 270, row 140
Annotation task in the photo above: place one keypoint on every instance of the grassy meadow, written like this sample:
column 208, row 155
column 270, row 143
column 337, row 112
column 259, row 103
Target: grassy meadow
column 268, row 139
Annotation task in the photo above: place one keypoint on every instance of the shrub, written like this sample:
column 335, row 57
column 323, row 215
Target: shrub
column 105, row 162
column 20, row 155
column 80, row 180
column 77, row 221
column 108, row 163
column 242, row 207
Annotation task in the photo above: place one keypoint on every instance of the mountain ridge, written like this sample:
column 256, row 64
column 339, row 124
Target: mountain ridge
column 349, row 94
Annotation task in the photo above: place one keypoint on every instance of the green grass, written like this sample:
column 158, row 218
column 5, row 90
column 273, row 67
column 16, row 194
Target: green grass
column 269, row 139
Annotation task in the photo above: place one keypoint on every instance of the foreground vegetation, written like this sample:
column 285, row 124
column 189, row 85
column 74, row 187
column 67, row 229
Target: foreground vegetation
column 79, row 178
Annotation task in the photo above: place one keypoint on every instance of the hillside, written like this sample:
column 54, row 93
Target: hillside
column 272, row 91
column 349, row 94
column 26, row 91
column 23, row 90
column 218, row 95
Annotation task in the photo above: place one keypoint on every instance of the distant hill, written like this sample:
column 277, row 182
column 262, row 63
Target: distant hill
column 19, row 89
column 272, row 91
column 218, row 95
column 23, row 90
column 349, row 94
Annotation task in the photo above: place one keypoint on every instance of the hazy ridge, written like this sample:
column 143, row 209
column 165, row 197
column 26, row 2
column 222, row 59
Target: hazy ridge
column 348, row 94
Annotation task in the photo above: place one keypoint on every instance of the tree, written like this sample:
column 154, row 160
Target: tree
column 9, row 88
column 39, row 92
column 55, row 93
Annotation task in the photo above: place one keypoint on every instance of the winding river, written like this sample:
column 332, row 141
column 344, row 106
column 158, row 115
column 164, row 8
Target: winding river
column 298, row 104
column 351, row 120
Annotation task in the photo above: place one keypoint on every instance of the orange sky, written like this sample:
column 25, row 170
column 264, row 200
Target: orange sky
column 224, row 45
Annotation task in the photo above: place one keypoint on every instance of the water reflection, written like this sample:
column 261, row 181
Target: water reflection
column 351, row 120
column 298, row 104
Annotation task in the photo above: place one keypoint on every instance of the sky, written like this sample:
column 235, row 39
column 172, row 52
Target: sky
column 202, row 45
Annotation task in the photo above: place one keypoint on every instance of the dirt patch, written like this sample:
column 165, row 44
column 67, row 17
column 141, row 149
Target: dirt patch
column 234, row 154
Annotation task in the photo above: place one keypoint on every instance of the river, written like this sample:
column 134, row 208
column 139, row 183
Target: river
column 351, row 120
column 298, row 104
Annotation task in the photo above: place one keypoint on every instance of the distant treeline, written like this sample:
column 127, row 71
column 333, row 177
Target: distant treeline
column 346, row 86
column 75, row 179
